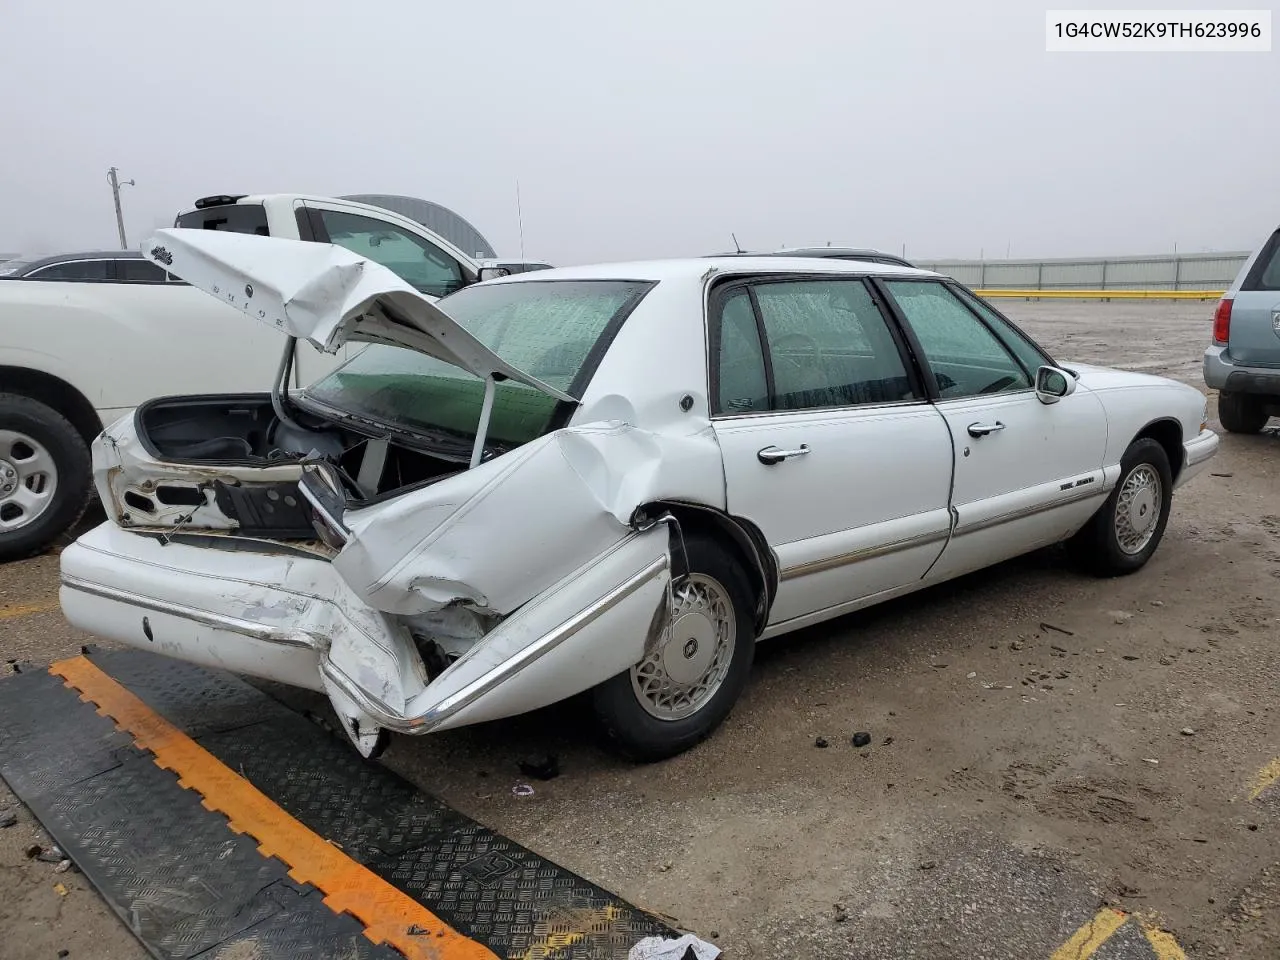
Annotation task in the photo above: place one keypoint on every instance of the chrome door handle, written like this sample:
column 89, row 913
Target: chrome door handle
column 982, row 429
column 771, row 455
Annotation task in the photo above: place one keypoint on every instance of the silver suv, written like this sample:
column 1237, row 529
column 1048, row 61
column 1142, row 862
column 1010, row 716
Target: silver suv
column 1243, row 362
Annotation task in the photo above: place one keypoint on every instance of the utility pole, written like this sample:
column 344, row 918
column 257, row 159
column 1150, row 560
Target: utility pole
column 113, row 178
column 520, row 217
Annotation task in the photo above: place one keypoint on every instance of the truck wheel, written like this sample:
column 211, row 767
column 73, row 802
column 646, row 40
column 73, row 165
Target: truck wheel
column 45, row 473
column 681, row 691
column 1242, row 412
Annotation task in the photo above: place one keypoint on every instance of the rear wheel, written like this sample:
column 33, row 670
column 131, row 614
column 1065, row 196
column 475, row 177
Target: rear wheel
column 1242, row 412
column 1124, row 533
column 44, row 476
column 682, row 690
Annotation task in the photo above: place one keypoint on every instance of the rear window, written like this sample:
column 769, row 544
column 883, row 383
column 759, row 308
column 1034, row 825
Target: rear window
column 1265, row 274
column 248, row 218
column 554, row 330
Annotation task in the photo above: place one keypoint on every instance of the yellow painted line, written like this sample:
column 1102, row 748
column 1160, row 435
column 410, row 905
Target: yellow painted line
column 1103, row 294
column 26, row 610
column 1085, row 941
column 1264, row 778
column 1163, row 944
column 389, row 915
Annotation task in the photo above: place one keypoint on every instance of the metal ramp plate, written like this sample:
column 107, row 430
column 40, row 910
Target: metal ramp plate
column 209, row 814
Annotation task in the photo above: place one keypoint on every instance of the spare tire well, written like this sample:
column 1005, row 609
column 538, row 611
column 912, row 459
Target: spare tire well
column 739, row 535
column 1167, row 433
column 56, row 394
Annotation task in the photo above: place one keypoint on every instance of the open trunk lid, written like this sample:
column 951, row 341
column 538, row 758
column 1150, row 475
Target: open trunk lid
column 326, row 295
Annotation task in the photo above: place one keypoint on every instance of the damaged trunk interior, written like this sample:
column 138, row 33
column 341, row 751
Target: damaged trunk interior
column 217, row 443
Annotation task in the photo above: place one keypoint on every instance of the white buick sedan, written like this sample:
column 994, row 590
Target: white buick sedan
column 611, row 479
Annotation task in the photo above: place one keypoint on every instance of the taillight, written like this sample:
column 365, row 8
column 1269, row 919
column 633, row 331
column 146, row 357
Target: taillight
column 1222, row 321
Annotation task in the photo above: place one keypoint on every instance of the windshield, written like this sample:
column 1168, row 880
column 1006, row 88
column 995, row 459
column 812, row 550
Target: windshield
column 554, row 330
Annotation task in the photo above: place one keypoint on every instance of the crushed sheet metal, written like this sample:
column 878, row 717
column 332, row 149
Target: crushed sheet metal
column 389, row 915
column 421, row 552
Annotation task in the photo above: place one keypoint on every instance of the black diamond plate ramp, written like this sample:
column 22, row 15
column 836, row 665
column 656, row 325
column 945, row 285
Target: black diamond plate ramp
column 183, row 882
column 483, row 885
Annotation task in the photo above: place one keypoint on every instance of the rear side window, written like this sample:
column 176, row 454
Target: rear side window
column 1265, row 274
column 139, row 271
column 805, row 344
column 74, row 270
column 248, row 218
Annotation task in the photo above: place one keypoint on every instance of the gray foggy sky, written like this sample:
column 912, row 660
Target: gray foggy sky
column 640, row 129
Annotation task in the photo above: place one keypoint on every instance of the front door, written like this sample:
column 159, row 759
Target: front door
column 829, row 444
column 1027, row 473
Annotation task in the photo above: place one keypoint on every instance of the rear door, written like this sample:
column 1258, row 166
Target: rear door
column 1255, row 314
column 1026, row 473
column 829, row 444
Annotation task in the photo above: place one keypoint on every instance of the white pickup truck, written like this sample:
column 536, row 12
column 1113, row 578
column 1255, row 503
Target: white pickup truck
column 85, row 338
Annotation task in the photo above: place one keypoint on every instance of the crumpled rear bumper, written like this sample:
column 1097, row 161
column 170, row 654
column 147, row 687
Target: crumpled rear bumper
column 290, row 617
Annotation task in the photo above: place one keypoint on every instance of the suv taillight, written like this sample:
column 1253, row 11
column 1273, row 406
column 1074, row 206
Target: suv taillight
column 1222, row 321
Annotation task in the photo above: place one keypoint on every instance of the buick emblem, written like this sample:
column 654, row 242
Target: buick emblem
column 248, row 290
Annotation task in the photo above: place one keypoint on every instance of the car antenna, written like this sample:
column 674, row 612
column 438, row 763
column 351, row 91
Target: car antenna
column 736, row 245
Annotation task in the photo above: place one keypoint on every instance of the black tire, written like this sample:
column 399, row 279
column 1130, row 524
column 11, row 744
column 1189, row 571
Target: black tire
column 1097, row 546
column 70, row 455
column 1242, row 412
column 635, row 732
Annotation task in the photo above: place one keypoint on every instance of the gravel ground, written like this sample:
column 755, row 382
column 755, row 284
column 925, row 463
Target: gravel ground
column 1007, row 794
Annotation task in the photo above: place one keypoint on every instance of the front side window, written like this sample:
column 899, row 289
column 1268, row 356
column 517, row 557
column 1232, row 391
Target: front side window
column 416, row 260
column 827, row 344
column 966, row 358
column 553, row 330
column 1029, row 355
column 74, row 270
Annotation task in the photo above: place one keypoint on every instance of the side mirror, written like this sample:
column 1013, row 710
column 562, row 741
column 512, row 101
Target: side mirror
column 492, row 273
column 1052, row 384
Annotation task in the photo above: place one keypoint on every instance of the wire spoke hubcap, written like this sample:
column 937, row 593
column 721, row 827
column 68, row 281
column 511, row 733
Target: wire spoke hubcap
column 28, row 480
column 1138, row 508
column 676, row 680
